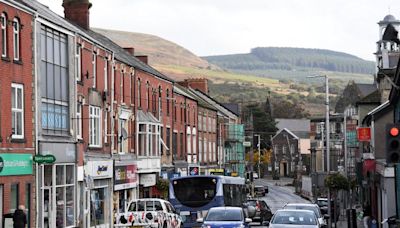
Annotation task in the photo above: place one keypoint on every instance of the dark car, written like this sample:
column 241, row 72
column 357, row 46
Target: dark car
column 260, row 190
column 263, row 212
column 224, row 217
column 323, row 205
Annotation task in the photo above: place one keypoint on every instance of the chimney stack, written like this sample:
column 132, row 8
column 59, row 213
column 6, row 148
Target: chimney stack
column 196, row 83
column 131, row 50
column 143, row 58
column 77, row 11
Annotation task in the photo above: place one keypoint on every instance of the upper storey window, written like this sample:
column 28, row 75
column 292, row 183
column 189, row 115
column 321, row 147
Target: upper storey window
column 16, row 38
column 3, row 26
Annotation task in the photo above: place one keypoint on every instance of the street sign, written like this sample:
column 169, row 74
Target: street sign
column 49, row 158
column 246, row 144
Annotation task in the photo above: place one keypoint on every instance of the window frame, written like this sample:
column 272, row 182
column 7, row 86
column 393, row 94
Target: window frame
column 3, row 26
column 17, row 110
column 78, row 66
column 94, row 135
column 79, row 121
column 94, row 64
column 16, row 39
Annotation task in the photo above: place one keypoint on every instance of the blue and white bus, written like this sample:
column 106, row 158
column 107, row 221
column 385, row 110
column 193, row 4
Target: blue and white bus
column 192, row 196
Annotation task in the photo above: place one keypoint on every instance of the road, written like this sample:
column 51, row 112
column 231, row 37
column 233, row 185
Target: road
column 278, row 196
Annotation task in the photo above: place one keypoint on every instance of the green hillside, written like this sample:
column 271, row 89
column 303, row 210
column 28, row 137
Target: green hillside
column 295, row 63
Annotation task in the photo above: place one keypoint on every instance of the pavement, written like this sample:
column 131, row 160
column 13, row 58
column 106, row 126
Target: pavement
column 281, row 192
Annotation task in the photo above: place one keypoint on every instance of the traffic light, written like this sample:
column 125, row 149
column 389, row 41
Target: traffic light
column 392, row 143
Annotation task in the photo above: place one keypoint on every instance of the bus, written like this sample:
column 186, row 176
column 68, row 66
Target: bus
column 192, row 196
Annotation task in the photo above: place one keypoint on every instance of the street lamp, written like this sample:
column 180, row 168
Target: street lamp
column 327, row 132
column 259, row 155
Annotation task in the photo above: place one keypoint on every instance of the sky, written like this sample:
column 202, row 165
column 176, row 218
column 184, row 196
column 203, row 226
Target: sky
column 216, row 27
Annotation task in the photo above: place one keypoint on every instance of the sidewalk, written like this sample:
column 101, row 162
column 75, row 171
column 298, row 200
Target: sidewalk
column 343, row 224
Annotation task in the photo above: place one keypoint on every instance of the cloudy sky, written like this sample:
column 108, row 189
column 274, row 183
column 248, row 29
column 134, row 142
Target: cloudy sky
column 214, row 27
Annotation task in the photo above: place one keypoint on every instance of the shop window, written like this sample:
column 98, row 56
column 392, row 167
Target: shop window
column 14, row 197
column 98, row 204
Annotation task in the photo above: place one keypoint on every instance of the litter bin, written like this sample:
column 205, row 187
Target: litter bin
column 351, row 218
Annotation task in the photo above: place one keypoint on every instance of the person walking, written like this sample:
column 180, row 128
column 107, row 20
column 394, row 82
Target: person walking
column 367, row 216
column 19, row 217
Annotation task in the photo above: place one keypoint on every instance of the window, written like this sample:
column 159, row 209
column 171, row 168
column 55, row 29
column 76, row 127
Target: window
column 79, row 121
column 94, row 126
column 122, row 86
column 200, row 149
column 283, row 149
column 3, row 21
column 188, row 141
column 94, row 63
column 16, row 38
column 175, row 112
column 55, row 82
column 78, row 63
column 159, row 101
column 175, row 144
column 149, row 139
column 182, row 148
column 168, row 100
column 14, row 197
column 17, row 109
column 139, row 93
column 148, row 95
column 168, row 140
column 194, row 151
column 105, row 74
column 162, row 138
column 105, row 127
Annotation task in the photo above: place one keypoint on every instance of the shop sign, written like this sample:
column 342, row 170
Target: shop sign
column 49, row 158
column 234, row 174
column 148, row 179
column 99, row 169
column 125, row 177
column 217, row 171
column 194, row 171
column 364, row 134
column 15, row 164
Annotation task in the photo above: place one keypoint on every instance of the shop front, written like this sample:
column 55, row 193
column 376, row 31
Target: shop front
column 57, row 185
column 125, row 186
column 147, row 181
column 98, row 176
column 17, row 190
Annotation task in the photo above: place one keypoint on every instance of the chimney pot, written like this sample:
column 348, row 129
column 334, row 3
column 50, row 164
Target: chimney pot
column 77, row 11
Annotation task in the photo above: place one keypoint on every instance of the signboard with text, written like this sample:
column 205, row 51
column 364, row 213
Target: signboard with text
column 15, row 164
column 364, row 134
column 125, row 177
column 194, row 171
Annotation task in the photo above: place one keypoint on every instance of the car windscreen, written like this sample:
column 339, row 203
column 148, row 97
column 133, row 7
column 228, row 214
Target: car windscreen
column 294, row 217
column 224, row 215
column 322, row 203
column 305, row 207
column 195, row 192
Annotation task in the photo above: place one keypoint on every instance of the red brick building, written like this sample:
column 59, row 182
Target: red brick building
column 17, row 123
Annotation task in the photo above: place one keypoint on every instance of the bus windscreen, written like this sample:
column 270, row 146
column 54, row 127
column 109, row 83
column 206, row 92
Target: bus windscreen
column 195, row 192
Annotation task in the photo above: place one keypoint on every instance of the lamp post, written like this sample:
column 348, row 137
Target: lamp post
column 327, row 138
column 259, row 155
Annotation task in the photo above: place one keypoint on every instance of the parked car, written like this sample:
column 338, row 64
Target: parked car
column 149, row 212
column 221, row 217
column 263, row 212
column 293, row 218
column 260, row 190
column 308, row 206
column 323, row 205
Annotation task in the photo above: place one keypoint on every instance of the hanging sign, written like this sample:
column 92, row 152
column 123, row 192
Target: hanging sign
column 48, row 158
column 364, row 134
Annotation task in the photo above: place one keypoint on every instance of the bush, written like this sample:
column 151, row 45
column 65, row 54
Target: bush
column 336, row 181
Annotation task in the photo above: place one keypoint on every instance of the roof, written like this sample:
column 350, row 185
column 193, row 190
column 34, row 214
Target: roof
column 366, row 89
column 220, row 108
column 182, row 91
column 294, row 124
column 200, row 101
column 233, row 107
column 372, row 98
column 288, row 131
column 377, row 112
column 45, row 13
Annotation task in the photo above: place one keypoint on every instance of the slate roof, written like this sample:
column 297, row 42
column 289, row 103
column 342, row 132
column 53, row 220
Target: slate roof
column 233, row 108
column 217, row 105
column 200, row 101
column 183, row 91
column 120, row 54
column 293, row 124
column 372, row 98
column 366, row 89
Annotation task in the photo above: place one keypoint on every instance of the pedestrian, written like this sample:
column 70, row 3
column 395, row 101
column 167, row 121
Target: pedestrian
column 19, row 217
column 367, row 216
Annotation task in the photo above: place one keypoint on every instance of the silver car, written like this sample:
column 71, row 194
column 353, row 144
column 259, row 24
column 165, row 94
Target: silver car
column 293, row 218
column 308, row 206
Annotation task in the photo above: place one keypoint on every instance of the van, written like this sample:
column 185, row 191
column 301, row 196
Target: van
column 149, row 212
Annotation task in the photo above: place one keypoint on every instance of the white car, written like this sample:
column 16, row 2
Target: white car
column 149, row 212
column 293, row 218
column 308, row 206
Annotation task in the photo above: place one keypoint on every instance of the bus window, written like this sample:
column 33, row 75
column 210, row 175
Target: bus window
column 132, row 207
column 195, row 192
column 140, row 206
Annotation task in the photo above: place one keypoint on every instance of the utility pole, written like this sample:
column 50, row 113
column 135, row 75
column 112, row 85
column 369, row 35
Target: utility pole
column 327, row 127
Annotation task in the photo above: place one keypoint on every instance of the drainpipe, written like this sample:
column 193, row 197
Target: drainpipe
column 36, row 115
column 112, row 102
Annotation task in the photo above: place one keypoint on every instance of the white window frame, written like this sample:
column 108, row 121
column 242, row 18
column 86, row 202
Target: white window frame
column 15, row 109
column 122, row 84
column 16, row 38
column 4, row 35
column 105, row 74
column 78, row 62
column 79, row 121
column 94, row 63
column 94, row 122
column 105, row 126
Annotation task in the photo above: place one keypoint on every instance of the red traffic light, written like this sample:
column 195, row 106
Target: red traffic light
column 394, row 131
